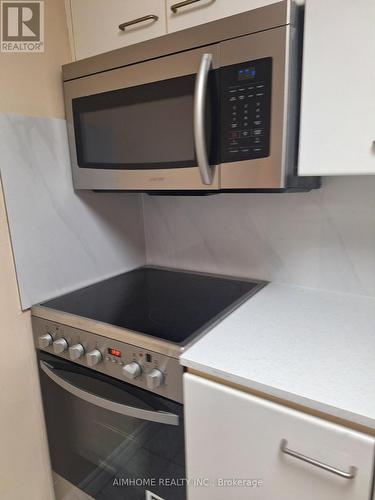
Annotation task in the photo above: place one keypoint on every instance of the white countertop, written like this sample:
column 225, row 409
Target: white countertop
column 310, row 347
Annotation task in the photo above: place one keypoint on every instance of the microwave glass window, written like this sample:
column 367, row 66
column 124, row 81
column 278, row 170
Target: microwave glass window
column 152, row 132
column 148, row 126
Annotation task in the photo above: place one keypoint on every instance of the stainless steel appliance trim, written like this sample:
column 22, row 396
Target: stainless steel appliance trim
column 269, row 172
column 172, row 370
column 185, row 3
column 129, row 411
column 221, row 316
column 256, row 20
column 108, row 331
column 143, row 340
column 149, row 17
column 206, row 171
column 292, row 95
column 147, row 72
column 321, row 465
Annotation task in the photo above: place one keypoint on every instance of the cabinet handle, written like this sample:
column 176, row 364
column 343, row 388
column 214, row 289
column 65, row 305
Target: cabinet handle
column 346, row 475
column 176, row 6
column 138, row 20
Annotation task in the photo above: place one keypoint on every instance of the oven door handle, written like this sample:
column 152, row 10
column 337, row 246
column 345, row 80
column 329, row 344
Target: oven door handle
column 160, row 417
column 200, row 92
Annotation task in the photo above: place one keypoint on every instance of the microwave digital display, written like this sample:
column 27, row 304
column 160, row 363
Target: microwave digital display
column 247, row 73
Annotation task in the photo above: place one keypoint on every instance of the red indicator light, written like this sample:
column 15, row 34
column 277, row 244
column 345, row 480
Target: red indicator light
column 114, row 352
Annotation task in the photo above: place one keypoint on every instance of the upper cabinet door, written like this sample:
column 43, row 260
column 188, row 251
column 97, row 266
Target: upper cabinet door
column 185, row 14
column 338, row 91
column 100, row 26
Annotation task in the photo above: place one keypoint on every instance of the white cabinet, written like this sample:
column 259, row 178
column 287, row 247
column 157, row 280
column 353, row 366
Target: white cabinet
column 96, row 24
column 231, row 435
column 203, row 11
column 338, row 97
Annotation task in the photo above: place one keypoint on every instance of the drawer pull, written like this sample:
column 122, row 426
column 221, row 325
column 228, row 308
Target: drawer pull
column 176, row 6
column 138, row 20
column 346, row 475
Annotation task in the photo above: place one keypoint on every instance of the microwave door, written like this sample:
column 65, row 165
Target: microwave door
column 149, row 126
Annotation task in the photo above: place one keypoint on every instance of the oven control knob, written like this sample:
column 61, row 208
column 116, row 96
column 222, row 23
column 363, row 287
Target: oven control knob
column 76, row 351
column 155, row 378
column 132, row 370
column 60, row 345
column 45, row 341
column 93, row 357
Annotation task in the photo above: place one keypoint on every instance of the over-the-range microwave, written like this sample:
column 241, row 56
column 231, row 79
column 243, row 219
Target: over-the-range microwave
column 210, row 108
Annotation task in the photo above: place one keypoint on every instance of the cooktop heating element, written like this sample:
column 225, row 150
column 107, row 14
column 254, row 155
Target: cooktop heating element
column 169, row 305
column 134, row 326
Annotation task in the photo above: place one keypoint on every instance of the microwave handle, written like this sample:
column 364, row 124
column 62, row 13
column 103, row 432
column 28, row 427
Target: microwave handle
column 129, row 411
column 206, row 171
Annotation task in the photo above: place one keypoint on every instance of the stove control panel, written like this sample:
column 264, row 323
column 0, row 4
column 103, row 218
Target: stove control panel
column 132, row 370
column 45, row 341
column 149, row 370
column 60, row 345
column 76, row 351
column 155, row 378
column 94, row 357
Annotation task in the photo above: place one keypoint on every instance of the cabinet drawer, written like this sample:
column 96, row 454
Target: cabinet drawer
column 234, row 435
column 204, row 11
column 96, row 24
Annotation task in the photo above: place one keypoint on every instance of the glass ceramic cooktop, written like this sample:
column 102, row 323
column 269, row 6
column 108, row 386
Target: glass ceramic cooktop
column 170, row 305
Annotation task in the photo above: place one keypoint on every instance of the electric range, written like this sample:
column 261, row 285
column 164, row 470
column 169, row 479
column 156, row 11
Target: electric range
column 111, row 380
column 134, row 326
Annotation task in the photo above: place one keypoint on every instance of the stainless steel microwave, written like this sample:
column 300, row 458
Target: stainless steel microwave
column 207, row 109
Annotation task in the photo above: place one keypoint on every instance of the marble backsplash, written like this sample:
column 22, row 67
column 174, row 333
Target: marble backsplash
column 324, row 239
column 62, row 240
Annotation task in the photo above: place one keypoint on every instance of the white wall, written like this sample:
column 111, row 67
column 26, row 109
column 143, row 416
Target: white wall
column 36, row 177
column 62, row 239
column 24, row 463
column 323, row 239
column 29, row 84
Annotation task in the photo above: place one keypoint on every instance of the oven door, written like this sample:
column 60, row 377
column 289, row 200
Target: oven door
column 110, row 439
column 148, row 126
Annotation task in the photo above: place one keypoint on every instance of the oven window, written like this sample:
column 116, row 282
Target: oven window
column 108, row 455
column 143, row 127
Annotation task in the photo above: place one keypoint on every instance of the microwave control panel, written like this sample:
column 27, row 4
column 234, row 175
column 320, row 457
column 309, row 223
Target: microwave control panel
column 246, row 90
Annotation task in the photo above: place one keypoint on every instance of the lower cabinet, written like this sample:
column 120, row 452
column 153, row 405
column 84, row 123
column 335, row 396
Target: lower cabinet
column 243, row 447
